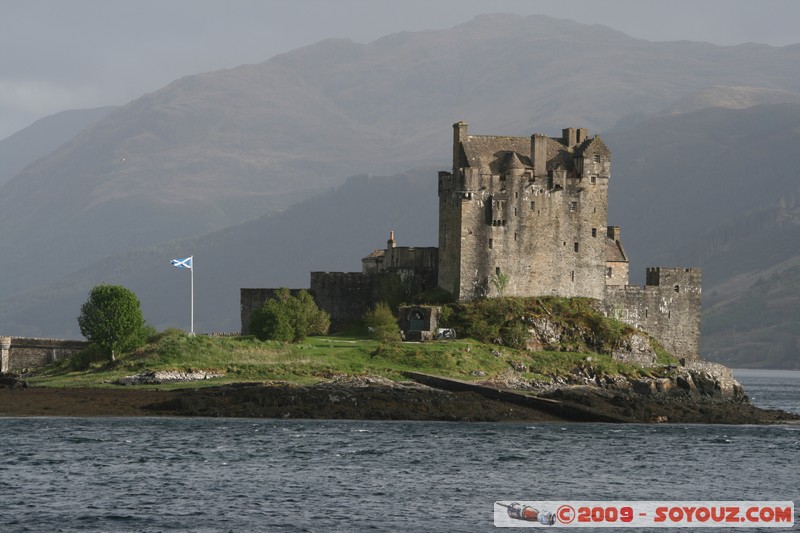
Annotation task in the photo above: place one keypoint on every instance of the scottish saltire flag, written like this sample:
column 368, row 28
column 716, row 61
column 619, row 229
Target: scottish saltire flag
column 182, row 263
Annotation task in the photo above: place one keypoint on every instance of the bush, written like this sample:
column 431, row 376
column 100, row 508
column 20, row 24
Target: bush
column 112, row 320
column 288, row 318
column 382, row 324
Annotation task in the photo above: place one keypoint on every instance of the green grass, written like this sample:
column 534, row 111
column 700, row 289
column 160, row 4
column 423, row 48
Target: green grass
column 246, row 359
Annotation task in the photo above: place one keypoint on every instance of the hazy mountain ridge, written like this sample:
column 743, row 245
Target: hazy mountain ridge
column 42, row 137
column 731, row 98
column 677, row 177
column 329, row 232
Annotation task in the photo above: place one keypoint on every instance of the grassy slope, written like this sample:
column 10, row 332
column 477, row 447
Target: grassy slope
column 318, row 359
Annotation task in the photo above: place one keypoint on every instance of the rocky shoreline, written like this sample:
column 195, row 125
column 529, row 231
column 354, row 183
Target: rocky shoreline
column 705, row 395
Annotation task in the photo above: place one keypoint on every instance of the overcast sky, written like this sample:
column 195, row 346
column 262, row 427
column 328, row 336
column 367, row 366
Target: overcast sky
column 69, row 54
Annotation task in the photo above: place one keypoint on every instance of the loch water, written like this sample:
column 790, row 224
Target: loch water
column 192, row 474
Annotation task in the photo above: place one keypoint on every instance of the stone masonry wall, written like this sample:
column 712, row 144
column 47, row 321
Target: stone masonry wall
column 667, row 307
column 345, row 295
column 18, row 354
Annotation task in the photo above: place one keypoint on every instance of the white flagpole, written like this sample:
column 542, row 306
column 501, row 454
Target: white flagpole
column 191, row 325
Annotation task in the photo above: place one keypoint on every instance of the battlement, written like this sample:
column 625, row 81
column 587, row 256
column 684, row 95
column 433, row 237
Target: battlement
column 679, row 279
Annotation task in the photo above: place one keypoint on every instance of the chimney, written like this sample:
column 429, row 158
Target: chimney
column 459, row 136
column 613, row 233
column 391, row 242
column 539, row 154
column 568, row 137
column 583, row 134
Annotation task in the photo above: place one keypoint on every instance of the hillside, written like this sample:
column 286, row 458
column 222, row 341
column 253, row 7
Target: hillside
column 42, row 137
column 676, row 178
column 331, row 231
column 731, row 98
column 219, row 148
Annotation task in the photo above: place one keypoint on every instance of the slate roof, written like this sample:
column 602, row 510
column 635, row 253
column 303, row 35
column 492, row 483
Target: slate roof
column 614, row 252
column 492, row 154
column 374, row 254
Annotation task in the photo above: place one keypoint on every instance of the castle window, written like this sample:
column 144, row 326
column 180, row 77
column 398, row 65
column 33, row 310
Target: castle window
column 594, row 179
column 677, row 288
column 645, row 313
column 533, row 206
column 609, row 272
column 573, row 275
column 573, row 206
column 516, row 195
column 596, row 158
column 515, row 211
column 594, row 232
column 515, row 236
column 576, row 246
column 497, row 271
column 490, row 244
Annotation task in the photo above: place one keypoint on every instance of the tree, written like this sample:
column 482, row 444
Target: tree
column 288, row 318
column 112, row 320
column 382, row 324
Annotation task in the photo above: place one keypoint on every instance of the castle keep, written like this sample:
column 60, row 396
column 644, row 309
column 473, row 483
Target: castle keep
column 532, row 210
column 524, row 216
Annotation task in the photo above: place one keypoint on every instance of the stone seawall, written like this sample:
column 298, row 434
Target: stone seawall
column 18, row 353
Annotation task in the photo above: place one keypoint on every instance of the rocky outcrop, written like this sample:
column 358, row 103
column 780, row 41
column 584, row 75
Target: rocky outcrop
column 165, row 376
column 636, row 349
column 12, row 381
column 357, row 398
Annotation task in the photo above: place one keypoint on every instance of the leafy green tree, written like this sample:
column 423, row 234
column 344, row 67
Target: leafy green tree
column 112, row 320
column 288, row 318
column 382, row 323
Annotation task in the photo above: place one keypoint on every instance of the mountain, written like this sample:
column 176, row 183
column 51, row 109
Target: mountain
column 717, row 188
column 751, row 299
column 329, row 232
column 732, row 98
column 677, row 177
column 219, row 148
column 42, row 137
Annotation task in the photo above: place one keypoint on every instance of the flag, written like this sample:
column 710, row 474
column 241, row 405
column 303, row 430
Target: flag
column 182, row 263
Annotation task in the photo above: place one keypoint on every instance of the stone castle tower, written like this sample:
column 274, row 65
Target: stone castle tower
column 530, row 213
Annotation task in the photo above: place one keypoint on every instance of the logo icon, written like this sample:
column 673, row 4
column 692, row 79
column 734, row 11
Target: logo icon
column 518, row 511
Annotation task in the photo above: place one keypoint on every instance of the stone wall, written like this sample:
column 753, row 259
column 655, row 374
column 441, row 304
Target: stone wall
column 667, row 307
column 18, row 354
column 345, row 295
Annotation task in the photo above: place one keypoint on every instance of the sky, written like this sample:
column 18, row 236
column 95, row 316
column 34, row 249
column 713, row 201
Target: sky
column 73, row 54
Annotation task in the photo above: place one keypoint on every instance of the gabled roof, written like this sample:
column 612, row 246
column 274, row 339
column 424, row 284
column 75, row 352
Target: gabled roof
column 591, row 146
column 614, row 252
column 490, row 153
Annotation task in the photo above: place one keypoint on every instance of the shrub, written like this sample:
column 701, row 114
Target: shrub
column 382, row 324
column 288, row 318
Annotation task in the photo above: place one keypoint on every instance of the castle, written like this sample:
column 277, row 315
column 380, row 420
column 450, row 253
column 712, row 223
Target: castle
column 522, row 216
